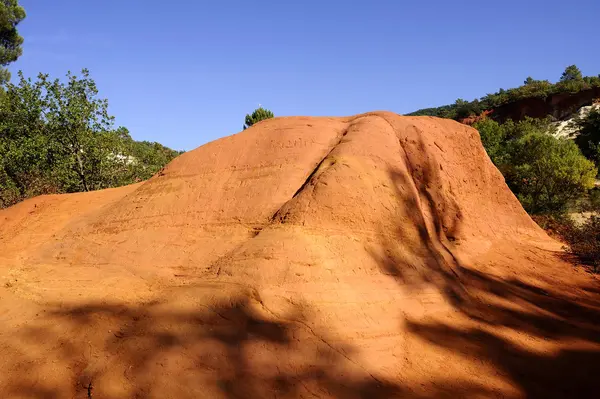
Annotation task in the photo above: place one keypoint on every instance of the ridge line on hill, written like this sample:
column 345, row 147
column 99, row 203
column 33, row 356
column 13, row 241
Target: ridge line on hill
column 421, row 187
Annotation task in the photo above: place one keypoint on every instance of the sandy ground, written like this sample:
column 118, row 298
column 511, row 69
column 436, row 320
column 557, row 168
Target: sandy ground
column 375, row 256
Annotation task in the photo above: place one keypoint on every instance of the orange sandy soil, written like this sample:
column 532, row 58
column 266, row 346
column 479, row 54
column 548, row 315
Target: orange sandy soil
column 375, row 256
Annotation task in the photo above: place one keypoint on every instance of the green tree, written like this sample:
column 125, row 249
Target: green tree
column 584, row 241
column 572, row 81
column 534, row 88
column 25, row 149
column 11, row 13
column 516, row 130
column 493, row 138
column 544, row 172
column 79, row 121
column 529, row 81
column 588, row 137
column 571, row 73
column 547, row 173
column 57, row 137
column 496, row 138
column 149, row 158
column 258, row 115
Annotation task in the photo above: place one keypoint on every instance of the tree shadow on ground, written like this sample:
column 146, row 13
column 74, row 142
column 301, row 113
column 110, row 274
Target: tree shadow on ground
column 496, row 308
column 233, row 349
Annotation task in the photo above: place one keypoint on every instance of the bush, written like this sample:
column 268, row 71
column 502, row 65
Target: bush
column 584, row 242
column 527, row 126
column 544, row 172
column 496, row 137
column 258, row 115
column 558, row 226
column 571, row 81
column 588, row 138
column 57, row 137
column 493, row 136
column 547, row 173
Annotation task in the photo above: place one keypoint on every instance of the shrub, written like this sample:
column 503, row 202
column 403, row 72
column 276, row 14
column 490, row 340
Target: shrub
column 556, row 225
column 588, row 138
column 492, row 137
column 581, row 241
column 496, row 137
column 571, row 81
column 584, row 242
column 547, row 173
column 57, row 137
column 544, row 172
column 258, row 115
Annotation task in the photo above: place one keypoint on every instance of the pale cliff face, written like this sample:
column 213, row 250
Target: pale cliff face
column 566, row 129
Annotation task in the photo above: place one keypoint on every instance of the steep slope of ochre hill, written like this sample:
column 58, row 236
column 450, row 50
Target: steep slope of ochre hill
column 369, row 256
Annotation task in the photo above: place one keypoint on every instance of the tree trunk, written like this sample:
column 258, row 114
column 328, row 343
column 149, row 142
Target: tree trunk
column 80, row 171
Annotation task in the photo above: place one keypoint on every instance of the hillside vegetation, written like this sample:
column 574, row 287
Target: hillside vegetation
column 57, row 136
column 551, row 176
column 548, row 174
column 571, row 81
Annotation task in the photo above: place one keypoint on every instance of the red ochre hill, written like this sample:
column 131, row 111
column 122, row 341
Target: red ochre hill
column 373, row 256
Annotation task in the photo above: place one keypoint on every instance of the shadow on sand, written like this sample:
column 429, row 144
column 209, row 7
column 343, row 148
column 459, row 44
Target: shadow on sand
column 497, row 307
column 238, row 349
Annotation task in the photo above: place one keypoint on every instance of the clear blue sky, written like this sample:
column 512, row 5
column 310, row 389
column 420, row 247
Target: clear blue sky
column 186, row 72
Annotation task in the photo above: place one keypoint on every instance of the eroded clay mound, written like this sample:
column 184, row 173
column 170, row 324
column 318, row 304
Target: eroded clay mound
column 367, row 176
column 375, row 255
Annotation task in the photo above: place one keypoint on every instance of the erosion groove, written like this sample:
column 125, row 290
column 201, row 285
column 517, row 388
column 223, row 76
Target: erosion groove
column 314, row 171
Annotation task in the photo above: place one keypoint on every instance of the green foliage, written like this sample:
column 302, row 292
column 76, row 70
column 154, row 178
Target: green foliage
column 445, row 111
column 150, row 158
column 547, row 173
column 10, row 40
column 492, row 137
column 258, row 115
column 556, row 225
column 515, row 130
column 57, row 137
column 571, row 81
column 465, row 109
column 584, row 242
column 588, row 138
column 544, row 172
column 495, row 137
column 571, row 73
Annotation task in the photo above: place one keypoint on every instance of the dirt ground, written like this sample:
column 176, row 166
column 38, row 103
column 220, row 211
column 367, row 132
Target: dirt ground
column 375, row 256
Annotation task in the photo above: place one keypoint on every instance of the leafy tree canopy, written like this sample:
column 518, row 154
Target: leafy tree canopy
column 11, row 13
column 571, row 81
column 571, row 73
column 258, row 115
column 544, row 172
column 588, row 138
column 547, row 173
column 57, row 137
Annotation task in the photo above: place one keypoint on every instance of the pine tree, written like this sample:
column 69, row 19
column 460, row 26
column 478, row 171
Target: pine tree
column 258, row 115
column 11, row 13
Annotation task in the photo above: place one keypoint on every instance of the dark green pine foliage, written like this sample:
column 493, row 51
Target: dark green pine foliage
column 11, row 13
column 258, row 115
